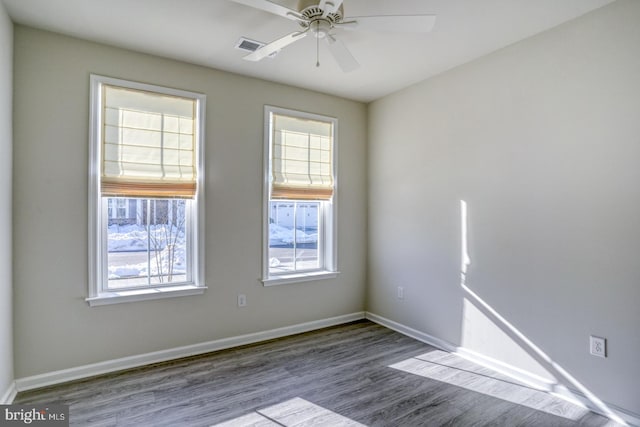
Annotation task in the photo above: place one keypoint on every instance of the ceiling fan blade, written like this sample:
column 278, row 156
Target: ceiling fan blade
column 271, row 7
column 343, row 57
column 347, row 25
column 330, row 6
column 395, row 23
column 276, row 45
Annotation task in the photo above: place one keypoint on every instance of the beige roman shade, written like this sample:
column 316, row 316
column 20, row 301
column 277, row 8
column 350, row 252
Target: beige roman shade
column 148, row 144
column 302, row 158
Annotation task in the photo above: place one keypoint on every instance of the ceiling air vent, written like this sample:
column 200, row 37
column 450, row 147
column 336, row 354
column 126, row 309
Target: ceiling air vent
column 249, row 45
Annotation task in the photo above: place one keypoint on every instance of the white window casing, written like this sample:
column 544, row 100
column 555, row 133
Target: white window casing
column 300, row 165
column 119, row 166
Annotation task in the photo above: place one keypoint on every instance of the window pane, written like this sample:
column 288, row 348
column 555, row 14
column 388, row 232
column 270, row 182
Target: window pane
column 147, row 243
column 293, row 236
column 307, row 236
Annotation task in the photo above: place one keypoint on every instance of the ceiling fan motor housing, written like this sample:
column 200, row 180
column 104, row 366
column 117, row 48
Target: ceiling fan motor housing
column 319, row 24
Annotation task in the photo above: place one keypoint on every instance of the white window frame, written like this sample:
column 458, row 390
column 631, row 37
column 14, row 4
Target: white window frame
column 327, row 222
column 98, row 294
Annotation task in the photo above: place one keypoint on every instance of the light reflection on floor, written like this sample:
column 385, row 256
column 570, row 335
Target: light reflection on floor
column 452, row 369
column 296, row 412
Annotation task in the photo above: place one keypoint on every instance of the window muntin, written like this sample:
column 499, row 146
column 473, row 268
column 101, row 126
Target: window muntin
column 146, row 195
column 299, row 194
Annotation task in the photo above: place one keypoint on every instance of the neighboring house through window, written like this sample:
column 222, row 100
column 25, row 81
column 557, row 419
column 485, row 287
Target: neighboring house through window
column 146, row 194
column 300, row 194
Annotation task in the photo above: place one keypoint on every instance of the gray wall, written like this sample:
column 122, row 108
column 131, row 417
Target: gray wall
column 54, row 326
column 6, row 281
column 542, row 140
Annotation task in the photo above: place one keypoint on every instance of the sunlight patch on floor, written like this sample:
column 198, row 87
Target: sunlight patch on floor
column 454, row 370
column 296, row 412
column 250, row 420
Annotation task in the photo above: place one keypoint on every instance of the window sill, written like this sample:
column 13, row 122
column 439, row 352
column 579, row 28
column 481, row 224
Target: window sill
column 286, row 279
column 106, row 298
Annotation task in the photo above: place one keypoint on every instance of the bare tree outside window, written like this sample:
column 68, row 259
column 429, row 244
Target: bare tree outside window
column 166, row 231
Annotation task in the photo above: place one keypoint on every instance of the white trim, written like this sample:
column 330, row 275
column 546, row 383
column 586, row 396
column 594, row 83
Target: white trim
column 543, row 384
column 97, row 293
column 266, row 180
column 85, row 371
column 9, row 394
column 300, row 277
column 94, row 250
column 410, row 332
column 511, row 371
column 328, row 243
column 114, row 297
column 571, row 394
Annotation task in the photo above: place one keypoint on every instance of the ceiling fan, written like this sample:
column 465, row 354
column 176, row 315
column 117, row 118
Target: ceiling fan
column 321, row 17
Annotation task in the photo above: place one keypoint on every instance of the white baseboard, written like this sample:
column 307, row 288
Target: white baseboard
column 567, row 393
column 9, row 395
column 511, row 371
column 630, row 418
column 410, row 332
column 517, row 374
column 85, row 371
column 625, row 415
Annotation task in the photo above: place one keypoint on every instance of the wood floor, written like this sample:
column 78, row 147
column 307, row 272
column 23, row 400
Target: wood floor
column 350, row 375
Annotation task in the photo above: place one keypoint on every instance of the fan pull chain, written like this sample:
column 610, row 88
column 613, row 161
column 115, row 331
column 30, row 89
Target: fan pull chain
column 317, row 45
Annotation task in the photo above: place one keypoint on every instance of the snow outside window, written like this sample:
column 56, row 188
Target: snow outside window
column 300, row 188
column 146, row 194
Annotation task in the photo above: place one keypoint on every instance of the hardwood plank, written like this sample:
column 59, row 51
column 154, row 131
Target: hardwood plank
column 299, row 412
column 250, row 420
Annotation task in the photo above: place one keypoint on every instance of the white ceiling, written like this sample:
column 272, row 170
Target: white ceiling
column 205, row 32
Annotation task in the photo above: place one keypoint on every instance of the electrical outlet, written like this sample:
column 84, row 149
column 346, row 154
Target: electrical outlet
column 598, row 346
column 242, row 300
column 400, row 292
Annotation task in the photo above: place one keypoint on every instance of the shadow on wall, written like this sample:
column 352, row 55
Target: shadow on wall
column 482, row 323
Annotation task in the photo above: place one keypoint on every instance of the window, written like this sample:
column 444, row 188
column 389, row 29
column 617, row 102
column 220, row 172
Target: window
column 118, row 209
column 300, row 193
column 146, row 194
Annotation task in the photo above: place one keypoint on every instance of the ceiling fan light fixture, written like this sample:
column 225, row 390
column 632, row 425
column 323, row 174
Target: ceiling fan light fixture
column 320, row 28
